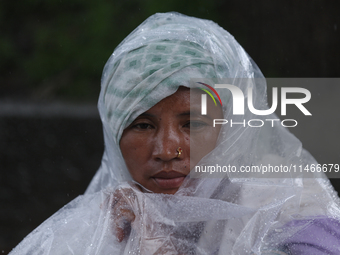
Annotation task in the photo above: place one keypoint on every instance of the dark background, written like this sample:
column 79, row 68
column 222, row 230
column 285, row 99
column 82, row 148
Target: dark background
column 52, row 53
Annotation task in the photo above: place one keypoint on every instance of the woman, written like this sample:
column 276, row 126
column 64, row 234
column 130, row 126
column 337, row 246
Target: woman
column 142, row 199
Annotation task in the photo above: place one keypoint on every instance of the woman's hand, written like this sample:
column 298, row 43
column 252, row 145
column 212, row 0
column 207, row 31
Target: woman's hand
column 123, row 214
column 125, row 204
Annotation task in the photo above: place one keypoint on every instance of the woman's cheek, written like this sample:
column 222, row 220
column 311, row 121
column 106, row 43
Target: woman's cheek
column 201, row 143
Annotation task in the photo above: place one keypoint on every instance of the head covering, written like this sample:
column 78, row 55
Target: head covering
column 228, row 214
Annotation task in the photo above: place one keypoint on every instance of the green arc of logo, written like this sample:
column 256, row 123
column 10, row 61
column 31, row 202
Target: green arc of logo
column 210, row 95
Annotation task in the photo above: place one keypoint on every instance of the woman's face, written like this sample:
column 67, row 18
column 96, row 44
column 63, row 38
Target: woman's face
column 149, row 145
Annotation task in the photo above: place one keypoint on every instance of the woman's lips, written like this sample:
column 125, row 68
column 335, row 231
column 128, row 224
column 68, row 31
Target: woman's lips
column 169, row 180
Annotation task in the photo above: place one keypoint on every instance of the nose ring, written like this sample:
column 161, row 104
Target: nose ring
column 179, row 151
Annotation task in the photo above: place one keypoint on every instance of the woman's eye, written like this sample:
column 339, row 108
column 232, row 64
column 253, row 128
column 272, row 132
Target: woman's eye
column 143, row 126
column 195, row 124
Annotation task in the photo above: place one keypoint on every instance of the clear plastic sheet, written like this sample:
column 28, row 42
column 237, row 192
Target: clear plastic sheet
column 225, row 215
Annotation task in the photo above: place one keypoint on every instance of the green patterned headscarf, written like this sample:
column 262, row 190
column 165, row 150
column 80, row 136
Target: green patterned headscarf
column 148, row 74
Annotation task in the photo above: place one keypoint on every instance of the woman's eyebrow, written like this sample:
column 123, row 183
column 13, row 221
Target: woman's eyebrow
column 192, row 113
column 185, row 113
column 145, row 114
column 195, row 113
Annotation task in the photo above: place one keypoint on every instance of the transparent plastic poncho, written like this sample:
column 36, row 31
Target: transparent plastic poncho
column 223, row 215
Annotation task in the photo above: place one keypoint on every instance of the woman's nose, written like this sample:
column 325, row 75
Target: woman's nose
column 166, row 143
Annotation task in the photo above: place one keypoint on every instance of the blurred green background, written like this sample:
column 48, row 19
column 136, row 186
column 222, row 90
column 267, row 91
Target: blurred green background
column 55, row 50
